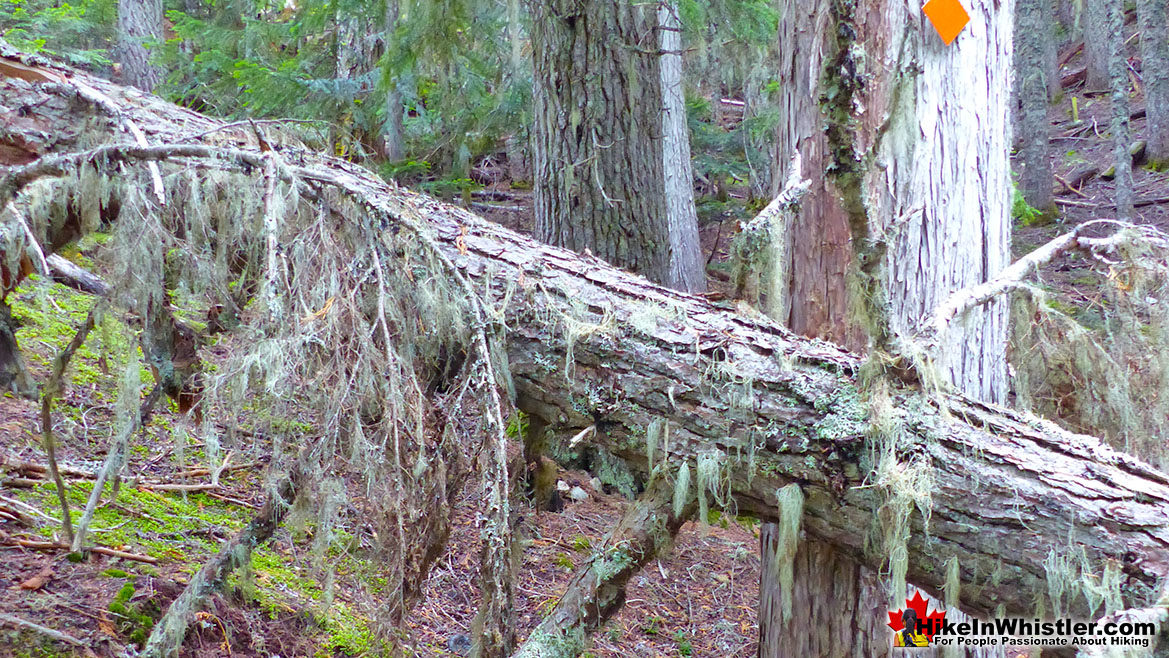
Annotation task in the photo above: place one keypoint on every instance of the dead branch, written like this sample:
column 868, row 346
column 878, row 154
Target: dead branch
column 933, row 330
column 100, row 550
column 168, row 633
column 43, row 630
column 597, row 591
column 52, row 390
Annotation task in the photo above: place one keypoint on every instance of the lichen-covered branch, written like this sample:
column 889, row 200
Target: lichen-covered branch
column 597, row 590
column 168, row 633
column 933, row 329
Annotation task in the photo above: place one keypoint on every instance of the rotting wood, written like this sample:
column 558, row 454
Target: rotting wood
column 776, row 408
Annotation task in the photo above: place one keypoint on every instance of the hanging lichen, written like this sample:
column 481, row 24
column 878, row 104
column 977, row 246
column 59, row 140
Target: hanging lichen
column 350, row 325
column 791, row 516
column 1102, row 367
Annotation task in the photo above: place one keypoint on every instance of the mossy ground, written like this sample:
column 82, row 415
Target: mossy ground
column 120, row 599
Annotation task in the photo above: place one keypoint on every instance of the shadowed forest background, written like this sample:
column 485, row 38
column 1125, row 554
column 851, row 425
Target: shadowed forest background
column 285, row 375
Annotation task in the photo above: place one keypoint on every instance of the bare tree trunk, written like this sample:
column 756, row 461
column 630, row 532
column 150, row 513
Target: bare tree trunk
column 687, row 270
column 392, row 123
column 601, row 135
column 1118, row 82
column 1096, row 40
column 1154, row 23
column 139, row 23
column 1032, row 35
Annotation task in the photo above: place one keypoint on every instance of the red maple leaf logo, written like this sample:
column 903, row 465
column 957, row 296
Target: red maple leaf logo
column 931, row 621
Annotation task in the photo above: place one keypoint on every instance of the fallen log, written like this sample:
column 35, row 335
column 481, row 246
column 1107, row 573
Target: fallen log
column 1008, row 494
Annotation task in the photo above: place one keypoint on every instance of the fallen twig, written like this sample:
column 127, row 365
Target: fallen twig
column 33, row 468
column 166, row 486
column 1068, row 186
column 100, row 550
column 43, row 630
column 1077, row 204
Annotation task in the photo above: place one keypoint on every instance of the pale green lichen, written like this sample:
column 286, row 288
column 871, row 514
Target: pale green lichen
column 791, row 515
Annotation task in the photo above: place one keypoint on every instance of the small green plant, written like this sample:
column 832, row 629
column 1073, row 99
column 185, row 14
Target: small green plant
column 563, row 561
column 517, row 425
column 134, row 620
column 581, row 544
column 653, row 625
column 1021, row 211
column 684, row 647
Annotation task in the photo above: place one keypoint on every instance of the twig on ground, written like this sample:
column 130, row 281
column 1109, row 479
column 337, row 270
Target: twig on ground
column 43, row 630
column 100, row 550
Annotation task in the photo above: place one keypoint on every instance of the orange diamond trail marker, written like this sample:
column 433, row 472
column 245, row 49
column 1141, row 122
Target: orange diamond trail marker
column 948, row 18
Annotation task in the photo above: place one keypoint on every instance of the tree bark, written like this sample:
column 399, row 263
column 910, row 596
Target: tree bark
column 1096, row 44
column 602, row 137
column 1118, row 83
column 392, row 123
column 139, row 22
column 1032, row 36
column 813, row 264
column 774, row 408
column 687, row 267
column 1154, row 22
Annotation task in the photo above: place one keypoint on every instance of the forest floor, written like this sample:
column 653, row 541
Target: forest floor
column 699, row 600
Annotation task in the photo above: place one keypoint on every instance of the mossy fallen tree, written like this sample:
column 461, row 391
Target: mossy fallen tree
column 905, row 480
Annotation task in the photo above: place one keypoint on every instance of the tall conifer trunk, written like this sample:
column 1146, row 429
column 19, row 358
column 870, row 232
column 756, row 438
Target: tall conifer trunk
column 1154, row 24
column 612, row 170
column 139, row 23
column 905, row 141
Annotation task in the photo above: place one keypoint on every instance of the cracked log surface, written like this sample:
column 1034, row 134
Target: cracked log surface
column 591, row 345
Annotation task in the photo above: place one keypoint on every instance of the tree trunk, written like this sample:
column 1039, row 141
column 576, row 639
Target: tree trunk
column 840, row 608
column 811, row 293
column 392, row 122
column 936, row 247
column 1051, row 49
column 1096, row 48
column 601, row 138
column 139, row 22
column 1032, row 36
column 14, row 375
column 519, row 73
column 1154, row 23
column 687, row 268
column 1118, row 83
column 771, row 408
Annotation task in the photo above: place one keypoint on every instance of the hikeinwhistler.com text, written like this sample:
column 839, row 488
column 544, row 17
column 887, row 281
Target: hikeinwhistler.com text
column 1015, row 631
